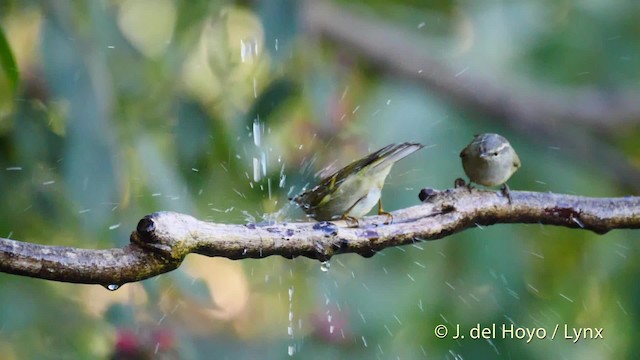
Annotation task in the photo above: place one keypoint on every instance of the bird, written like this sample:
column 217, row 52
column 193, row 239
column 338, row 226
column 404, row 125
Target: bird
column 352, row 191
column 490, row 160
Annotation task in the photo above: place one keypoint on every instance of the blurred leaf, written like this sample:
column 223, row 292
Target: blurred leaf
column 193, row 12
column 270, row 99
column 280, row 27
column 194, row 288
column 120, row 315
column 193, row 132
column 203, row 142
column 8, row 62
column 88, row 160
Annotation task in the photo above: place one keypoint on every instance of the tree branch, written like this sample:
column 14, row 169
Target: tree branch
column 163, row 239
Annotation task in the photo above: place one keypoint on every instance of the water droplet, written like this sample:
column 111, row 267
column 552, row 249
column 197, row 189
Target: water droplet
column 256, row 169
column 257, row 133
column 255, row 88
column 370, row 234
column 324, row 266
column 248, row 49
column 330, row 229
column 577, row 221
column 111, row 287
column 291, row 350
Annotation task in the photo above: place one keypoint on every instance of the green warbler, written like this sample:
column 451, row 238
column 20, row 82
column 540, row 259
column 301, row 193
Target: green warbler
column 490, row 160
column 352, row 191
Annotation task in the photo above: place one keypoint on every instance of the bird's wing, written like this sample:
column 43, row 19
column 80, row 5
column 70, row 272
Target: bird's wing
column 385, row 156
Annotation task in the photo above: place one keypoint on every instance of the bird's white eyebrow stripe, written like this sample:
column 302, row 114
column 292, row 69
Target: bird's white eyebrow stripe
column 484, row 149
column 501, row 147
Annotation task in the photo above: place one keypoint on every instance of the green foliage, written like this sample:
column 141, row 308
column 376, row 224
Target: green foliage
column 8, row 63
column 105, row 118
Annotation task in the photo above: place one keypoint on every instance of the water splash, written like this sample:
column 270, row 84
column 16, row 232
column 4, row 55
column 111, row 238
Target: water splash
column 291, row 348
column 257, row 131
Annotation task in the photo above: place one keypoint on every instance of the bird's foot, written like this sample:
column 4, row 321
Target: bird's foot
column 505, row 191
column 382, row 212
column 388, row 215
column 351, row 221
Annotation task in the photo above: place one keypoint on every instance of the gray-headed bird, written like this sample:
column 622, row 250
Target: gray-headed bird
column 490, row 160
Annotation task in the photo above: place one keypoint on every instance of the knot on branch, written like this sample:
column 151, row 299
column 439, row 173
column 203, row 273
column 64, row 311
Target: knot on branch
column 164, row 233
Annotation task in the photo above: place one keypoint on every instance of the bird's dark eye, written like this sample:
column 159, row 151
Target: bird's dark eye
column 495, row 153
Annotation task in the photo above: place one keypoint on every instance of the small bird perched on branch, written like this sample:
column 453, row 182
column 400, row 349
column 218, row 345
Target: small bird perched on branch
column 352, row 191
column 490, row 160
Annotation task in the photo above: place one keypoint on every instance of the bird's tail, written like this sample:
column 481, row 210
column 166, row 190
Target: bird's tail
column 394, row 152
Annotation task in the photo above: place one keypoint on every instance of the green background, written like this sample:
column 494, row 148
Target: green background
column 110, row 110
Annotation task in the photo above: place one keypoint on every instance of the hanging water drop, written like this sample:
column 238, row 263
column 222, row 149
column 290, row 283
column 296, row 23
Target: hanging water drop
column 111, row 287
column 325, row 265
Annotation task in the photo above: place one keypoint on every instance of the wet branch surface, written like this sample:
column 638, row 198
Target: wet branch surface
column 163, row 239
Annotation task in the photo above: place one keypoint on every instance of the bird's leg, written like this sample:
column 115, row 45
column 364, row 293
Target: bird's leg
column 351, row 221
column 469, row 187
column 382, row 212
column 504, row 189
